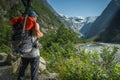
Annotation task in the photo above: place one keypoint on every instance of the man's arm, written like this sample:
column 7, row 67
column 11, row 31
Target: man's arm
column 38, row 33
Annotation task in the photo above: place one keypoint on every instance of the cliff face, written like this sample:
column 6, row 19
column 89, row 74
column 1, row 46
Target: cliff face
column 107, row 24
column 112, row 32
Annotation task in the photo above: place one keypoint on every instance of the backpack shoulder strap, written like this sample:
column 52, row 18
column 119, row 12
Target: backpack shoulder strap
column 23, row 31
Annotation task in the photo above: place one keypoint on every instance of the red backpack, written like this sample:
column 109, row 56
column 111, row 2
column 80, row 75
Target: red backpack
column 21, row 41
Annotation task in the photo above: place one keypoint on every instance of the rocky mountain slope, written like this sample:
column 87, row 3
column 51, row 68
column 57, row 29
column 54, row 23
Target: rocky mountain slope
column 106, row 26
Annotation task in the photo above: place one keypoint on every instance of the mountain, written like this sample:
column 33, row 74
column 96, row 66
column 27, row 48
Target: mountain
column 75, row 23
column 45, row 2
column 88, row 24
column 106, row 27
column 78, row 24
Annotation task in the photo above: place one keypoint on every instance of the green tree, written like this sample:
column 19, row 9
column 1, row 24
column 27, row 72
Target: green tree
column 65, row 35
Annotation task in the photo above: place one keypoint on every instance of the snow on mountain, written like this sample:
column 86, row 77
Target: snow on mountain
column 91, row 19
column 76, row 23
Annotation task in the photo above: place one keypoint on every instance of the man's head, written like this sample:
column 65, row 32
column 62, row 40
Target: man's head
column 33, row 14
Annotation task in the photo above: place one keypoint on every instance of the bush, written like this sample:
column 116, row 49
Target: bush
column 58, row 45
column 5, row 38
column 5, row 48
column 91, row 66
column 60, row 52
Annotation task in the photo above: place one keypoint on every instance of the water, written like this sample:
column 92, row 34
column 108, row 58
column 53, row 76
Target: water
column 98, row 47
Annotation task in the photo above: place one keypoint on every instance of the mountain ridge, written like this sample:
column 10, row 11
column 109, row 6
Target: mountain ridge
column 78, row 24
column 106, row 27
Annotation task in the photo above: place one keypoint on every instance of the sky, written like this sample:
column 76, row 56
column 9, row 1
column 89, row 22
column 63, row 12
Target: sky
column 74, row 8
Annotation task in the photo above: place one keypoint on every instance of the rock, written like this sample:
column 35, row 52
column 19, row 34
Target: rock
column 10, row 59
column 3, row 56
column 42, row 65
column 5, row 73
column 53, row 76
column 16, row 64
column 11, row 71
column 5, row 59
column 50, row 76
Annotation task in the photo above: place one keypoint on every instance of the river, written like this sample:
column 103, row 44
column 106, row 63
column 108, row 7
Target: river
column 98, row 47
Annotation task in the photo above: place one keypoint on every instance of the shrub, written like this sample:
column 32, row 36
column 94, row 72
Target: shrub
column 60, row 52
column 5, row 38
column 91, row 66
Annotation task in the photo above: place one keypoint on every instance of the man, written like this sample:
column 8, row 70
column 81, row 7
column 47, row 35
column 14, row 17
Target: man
column 31, row 58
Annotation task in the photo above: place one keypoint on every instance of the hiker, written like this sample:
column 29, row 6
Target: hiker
column 31, row 58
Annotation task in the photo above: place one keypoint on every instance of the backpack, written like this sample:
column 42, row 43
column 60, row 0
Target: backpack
column 21, row 42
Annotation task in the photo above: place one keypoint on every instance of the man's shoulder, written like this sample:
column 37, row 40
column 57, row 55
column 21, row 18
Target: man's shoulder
column 30, row 18
column 38, row 25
